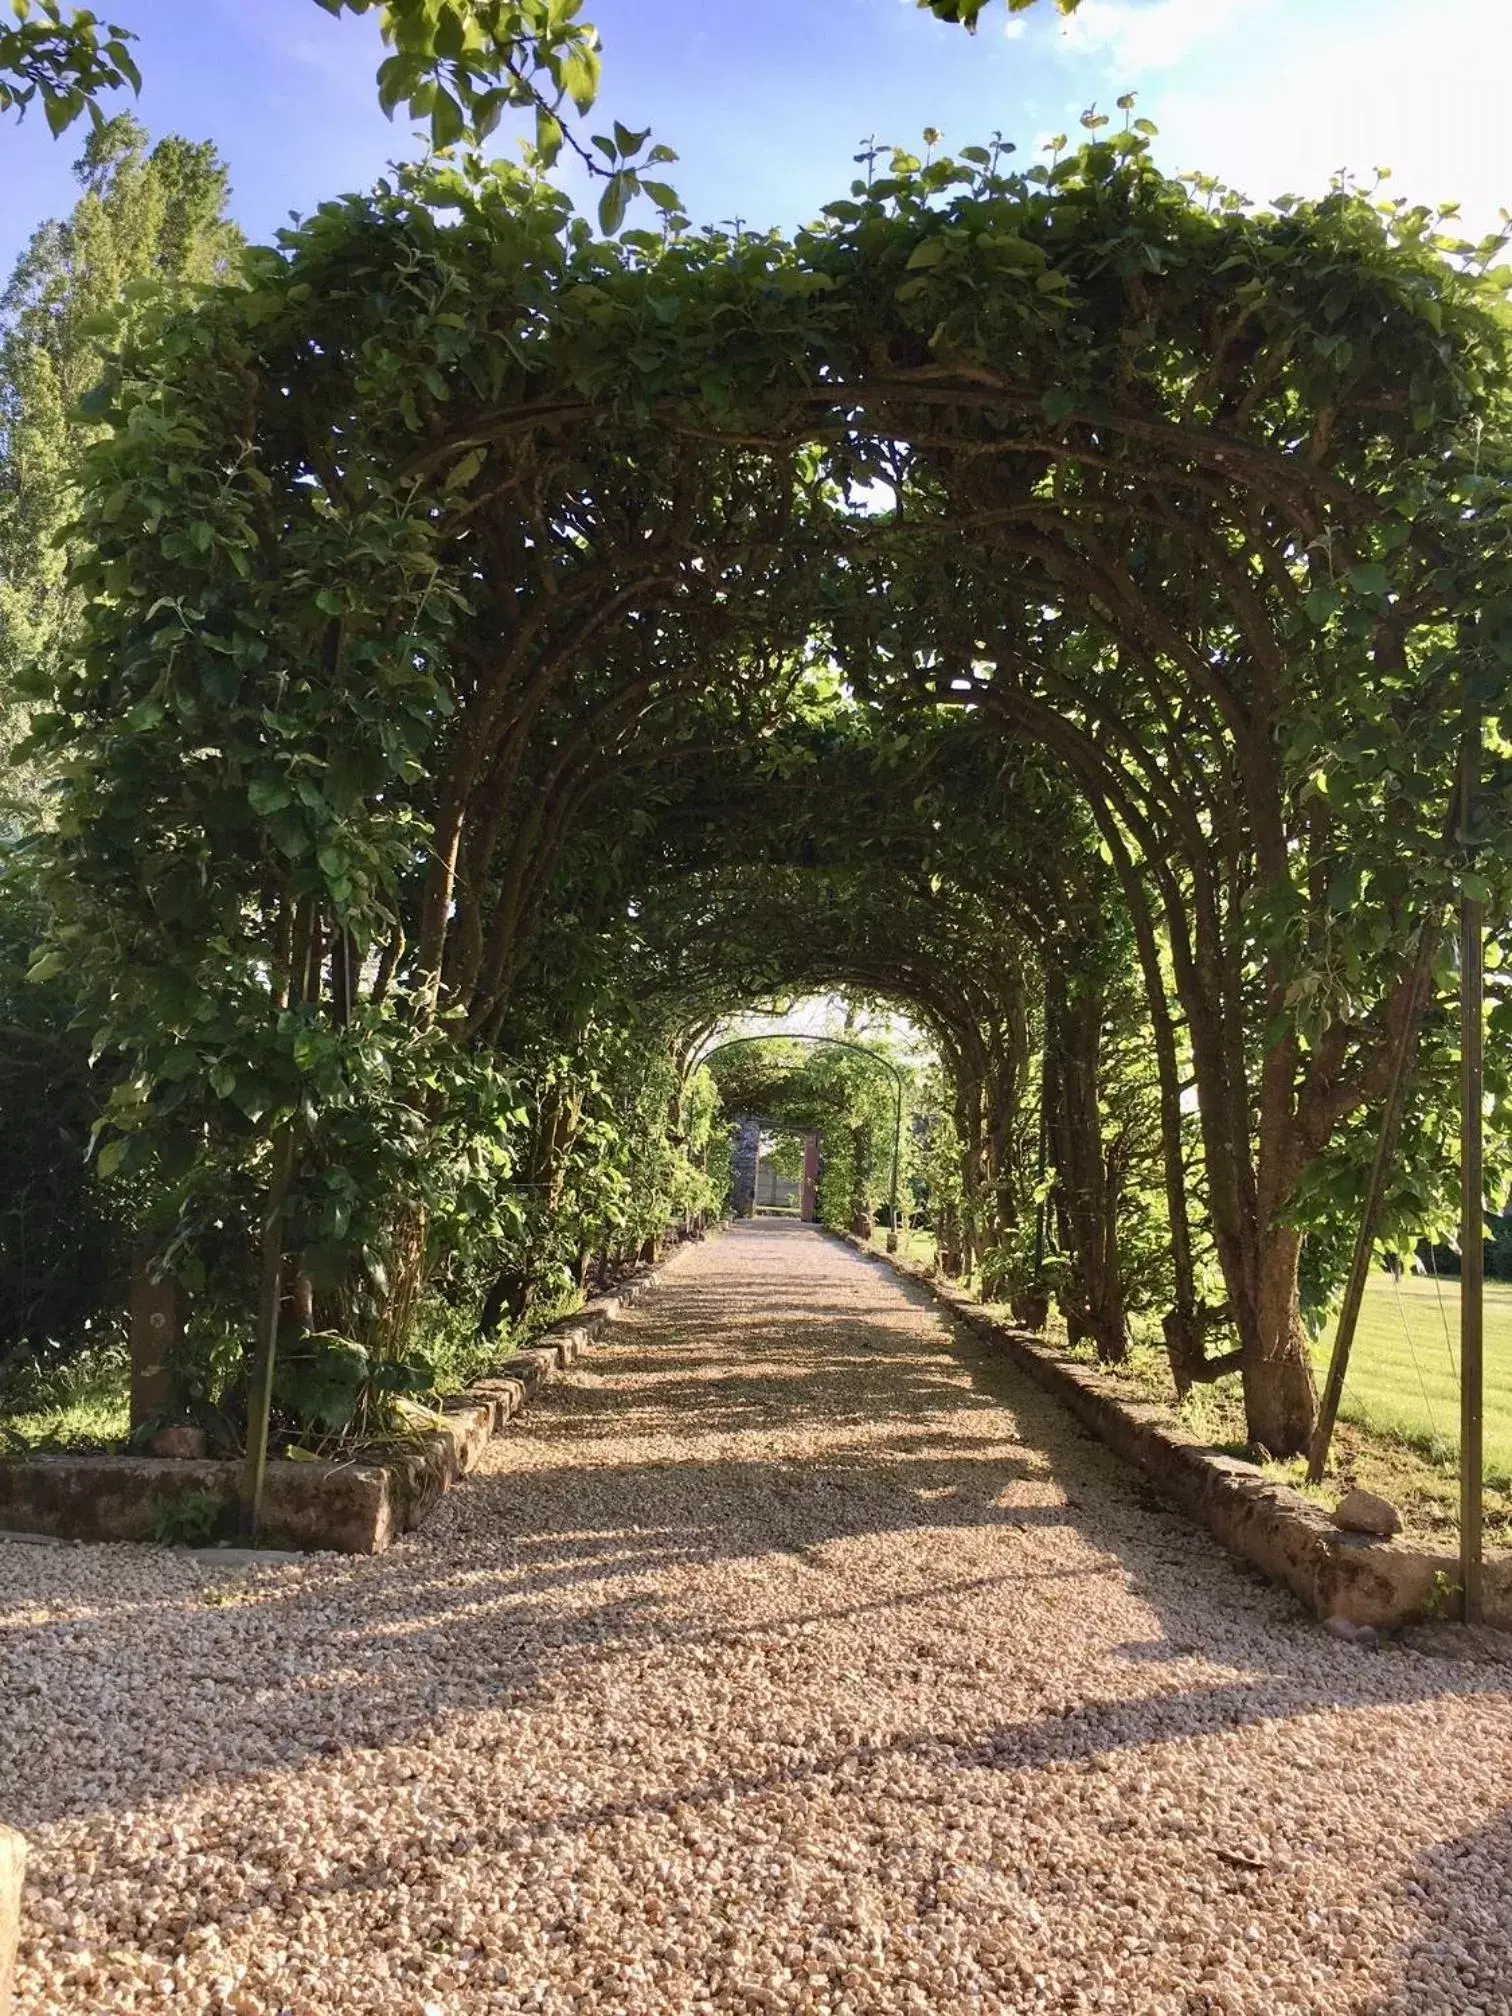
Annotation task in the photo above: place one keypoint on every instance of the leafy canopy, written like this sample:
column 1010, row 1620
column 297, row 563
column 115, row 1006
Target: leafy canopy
column 459, row 64
column 458, row 527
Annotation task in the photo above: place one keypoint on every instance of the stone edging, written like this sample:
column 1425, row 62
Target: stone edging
column 346, row 1508
column 1348, row 1576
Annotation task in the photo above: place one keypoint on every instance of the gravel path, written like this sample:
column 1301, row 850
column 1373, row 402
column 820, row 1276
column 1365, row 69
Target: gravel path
column 787, row 1657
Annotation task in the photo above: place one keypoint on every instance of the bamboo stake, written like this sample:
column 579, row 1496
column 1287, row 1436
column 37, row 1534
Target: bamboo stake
column 1359, row 1271
column 269, row 1299
column 1472, row 1187
column 302, row 984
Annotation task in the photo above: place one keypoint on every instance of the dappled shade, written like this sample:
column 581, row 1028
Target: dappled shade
column 1101, row 564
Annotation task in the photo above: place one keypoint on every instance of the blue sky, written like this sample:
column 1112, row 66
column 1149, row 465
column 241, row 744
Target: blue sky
column 765, row 100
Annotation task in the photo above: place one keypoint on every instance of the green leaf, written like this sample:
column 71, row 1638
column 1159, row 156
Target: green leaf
column 463, row 472
column 448, row 121
column 267, row 795
column 929, row 253
column 1058, row 404
column 580, row 76
column 398, row 76
column 548, row 136
column 611, row 209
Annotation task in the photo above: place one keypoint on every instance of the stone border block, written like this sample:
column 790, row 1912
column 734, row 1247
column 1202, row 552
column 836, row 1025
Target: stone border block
column 535, row 1367
column 1352, row 1576
column 340, row 1507
column 505, row 1395
column 12, row 1878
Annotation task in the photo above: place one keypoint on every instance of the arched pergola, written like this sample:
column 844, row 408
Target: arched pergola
column 455, row 526
column 857, row 1049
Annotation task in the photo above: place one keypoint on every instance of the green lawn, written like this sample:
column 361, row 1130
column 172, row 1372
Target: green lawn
column 918, row 1246
column 1404, row 1371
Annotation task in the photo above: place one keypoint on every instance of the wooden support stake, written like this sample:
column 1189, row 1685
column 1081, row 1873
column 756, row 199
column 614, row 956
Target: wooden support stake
column 155, row 1329
column 1359, row 1272
column 1472, row 1188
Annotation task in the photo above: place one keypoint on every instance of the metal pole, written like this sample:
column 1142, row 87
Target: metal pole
column 1359, row 1272
column 1472, row 1185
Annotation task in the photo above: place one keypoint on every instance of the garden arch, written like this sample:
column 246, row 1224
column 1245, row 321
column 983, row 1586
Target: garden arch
column 421, row 563
column 875, row 1058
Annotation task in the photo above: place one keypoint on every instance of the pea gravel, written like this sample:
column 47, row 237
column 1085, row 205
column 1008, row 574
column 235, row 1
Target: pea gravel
column 786, row 1657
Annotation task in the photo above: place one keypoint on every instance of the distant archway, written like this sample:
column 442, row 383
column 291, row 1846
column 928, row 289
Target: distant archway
column 860, row 1050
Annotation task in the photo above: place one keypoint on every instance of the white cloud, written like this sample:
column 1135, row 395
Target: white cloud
column 1422, row 92
column 1154, row 36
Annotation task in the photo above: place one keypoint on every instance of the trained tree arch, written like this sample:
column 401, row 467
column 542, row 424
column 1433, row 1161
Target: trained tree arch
column 859, row 1050
column 427, row 572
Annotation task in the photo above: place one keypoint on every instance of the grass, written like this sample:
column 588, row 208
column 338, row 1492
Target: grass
column 81, row 1407
column 1404, row 1370
column 915, row 1245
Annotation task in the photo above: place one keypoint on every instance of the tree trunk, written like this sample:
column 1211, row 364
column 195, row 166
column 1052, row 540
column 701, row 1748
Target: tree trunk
column 1185, row 1322
column 1087, row 1181
column 508, row 1298
column 861, row 1221
column 1280, row 1399
column 948, row 1240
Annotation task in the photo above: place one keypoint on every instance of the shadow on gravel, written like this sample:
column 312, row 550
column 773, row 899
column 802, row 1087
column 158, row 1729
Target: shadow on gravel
column 1460, row 1962
column 528, row 1582
column 388, row 1653
column 1461, row 1887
